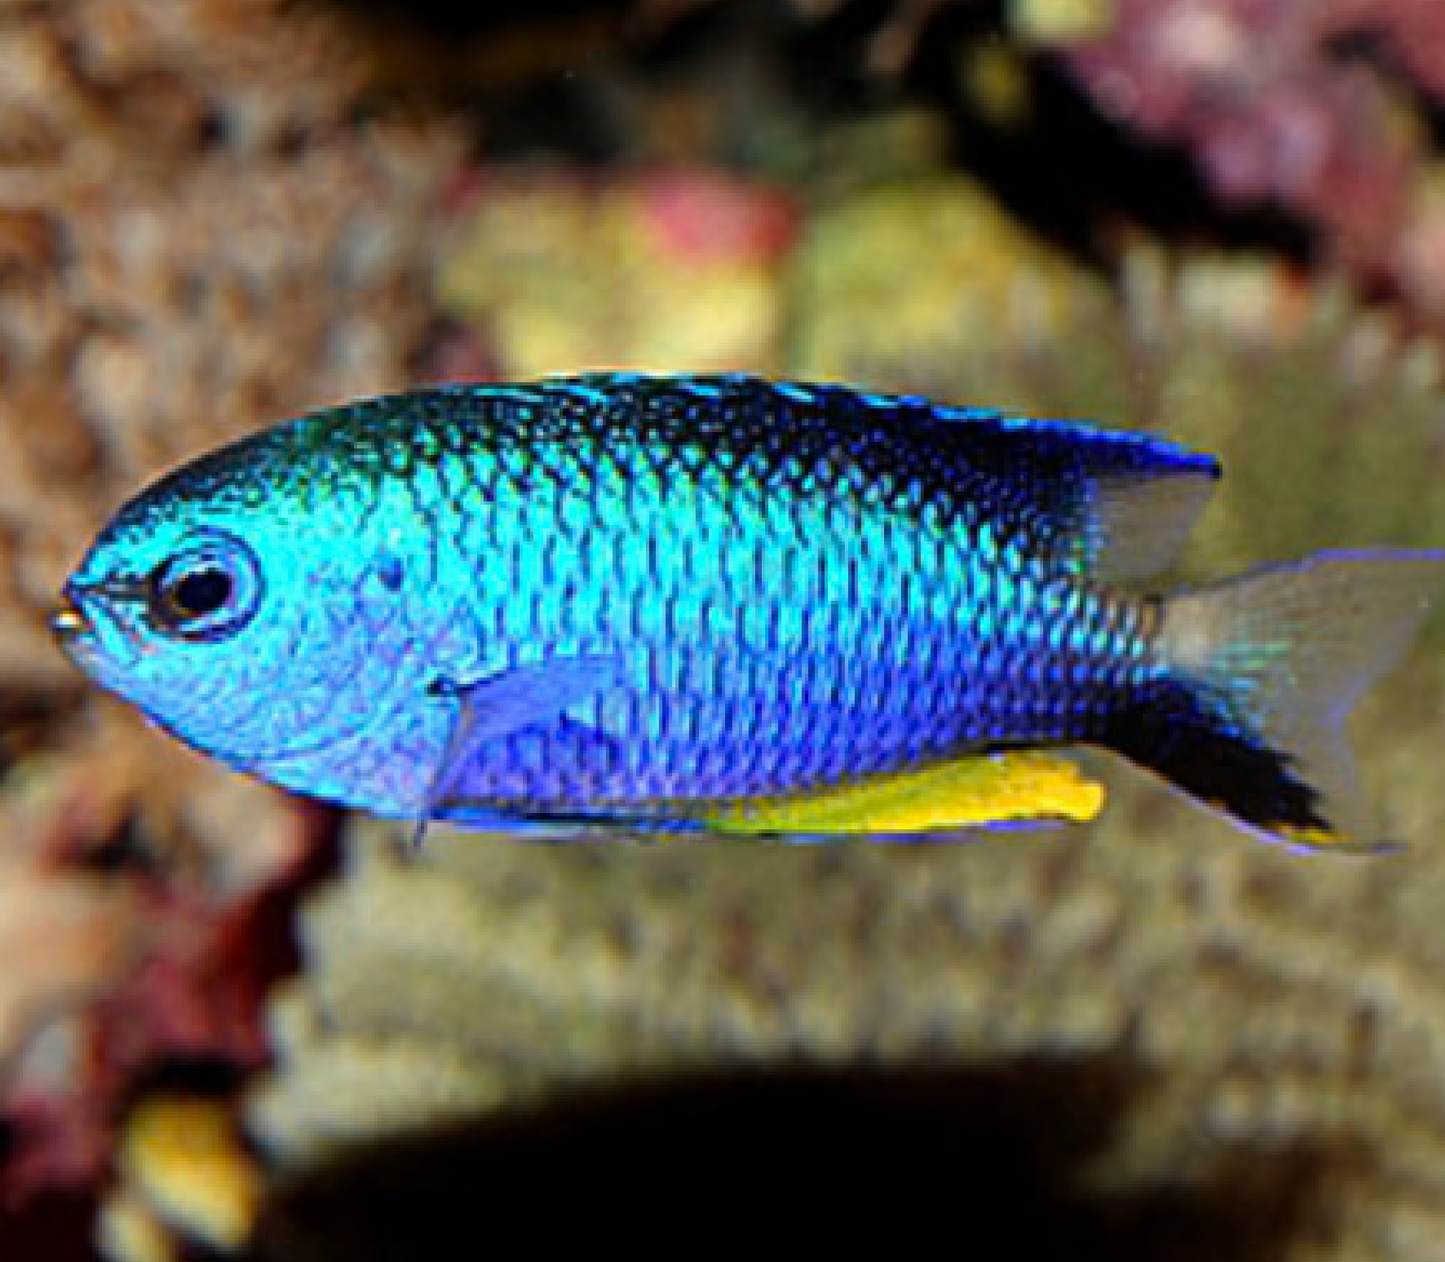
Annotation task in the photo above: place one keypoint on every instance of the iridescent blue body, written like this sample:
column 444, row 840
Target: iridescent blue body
column 622, row 597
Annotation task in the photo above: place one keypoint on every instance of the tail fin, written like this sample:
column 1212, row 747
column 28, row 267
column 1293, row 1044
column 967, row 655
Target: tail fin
column 1264, row 671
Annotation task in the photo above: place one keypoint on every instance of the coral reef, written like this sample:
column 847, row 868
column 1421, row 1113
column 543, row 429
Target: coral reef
column 209, row 219
column 200, row 228
column 1320, row 115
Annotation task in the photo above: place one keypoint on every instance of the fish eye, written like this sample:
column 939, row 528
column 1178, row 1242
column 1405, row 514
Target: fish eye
column 207, row 590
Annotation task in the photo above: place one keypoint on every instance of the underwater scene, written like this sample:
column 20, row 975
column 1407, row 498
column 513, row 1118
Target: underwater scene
column 753, row 333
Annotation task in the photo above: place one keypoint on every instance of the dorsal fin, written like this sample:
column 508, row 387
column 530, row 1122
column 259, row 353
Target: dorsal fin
column 1135, row 524
column 1115, row 505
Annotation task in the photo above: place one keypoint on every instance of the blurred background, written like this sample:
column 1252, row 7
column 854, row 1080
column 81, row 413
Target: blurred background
column 235, row 1025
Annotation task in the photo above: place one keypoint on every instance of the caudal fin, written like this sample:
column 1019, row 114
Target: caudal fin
column 1264, row 671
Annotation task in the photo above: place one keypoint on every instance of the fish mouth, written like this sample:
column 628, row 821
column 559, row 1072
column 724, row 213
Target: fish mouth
column 90, row 632
column 69, row 623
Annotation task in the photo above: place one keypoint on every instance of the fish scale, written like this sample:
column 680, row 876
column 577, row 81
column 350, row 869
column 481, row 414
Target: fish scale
column 847, row 716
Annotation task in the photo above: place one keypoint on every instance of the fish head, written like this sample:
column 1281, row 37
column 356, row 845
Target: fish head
column 238, row 610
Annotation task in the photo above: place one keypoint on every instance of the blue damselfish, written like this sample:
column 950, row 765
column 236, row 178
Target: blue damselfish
column 641, row 601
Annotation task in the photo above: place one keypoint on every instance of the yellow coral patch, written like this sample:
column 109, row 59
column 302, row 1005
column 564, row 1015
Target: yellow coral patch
column 183, row 1157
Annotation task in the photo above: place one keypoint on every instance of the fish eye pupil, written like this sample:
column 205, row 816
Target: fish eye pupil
column 201, row 592
column 206, row 590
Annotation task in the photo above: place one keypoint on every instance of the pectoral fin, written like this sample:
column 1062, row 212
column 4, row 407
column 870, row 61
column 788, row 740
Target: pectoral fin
column 495, row 707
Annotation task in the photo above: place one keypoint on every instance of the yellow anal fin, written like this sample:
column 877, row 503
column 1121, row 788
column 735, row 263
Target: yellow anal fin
column 1013, row 786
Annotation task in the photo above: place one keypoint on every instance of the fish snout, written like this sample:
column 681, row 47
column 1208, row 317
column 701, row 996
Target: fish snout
column 69, row 624
column 91, row 627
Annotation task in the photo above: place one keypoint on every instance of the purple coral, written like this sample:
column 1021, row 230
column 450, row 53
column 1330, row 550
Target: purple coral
column 1296, row 106
column 1274, row 115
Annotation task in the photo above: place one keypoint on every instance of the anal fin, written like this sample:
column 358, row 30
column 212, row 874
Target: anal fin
column 1005, row 788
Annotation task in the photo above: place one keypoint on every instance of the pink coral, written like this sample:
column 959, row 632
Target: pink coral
column 1414, row 31
column 1300, row 107
column 1273, row 115
column 127, row 972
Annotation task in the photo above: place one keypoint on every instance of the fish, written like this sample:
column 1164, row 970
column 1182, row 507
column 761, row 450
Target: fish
column 640, row 603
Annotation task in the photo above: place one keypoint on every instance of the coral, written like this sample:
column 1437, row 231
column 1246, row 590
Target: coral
column 158, row 165
column 185, row 1169
column 124, row 973
column 91, row 928
column 1318, row 116
column 203, row 226
column 1280, row 105
column 1272, row 116
column 668, row 267
column 1256, row 1000
column 948, row 273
